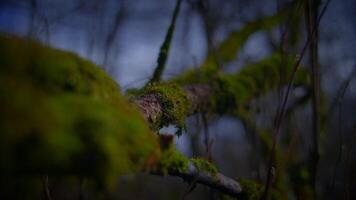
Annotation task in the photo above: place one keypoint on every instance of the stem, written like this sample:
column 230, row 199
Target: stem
column 280, row 115
column 46, row 189
column 163, row 53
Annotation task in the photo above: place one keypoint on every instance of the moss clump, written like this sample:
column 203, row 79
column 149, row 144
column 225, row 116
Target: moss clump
column 204, row 166
column 173, row 99
column 234, row 92
column 223, row 196
column 250, row 190
column 173, row 161
column 63, row 115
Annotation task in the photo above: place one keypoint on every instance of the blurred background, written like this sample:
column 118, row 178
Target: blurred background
column 124, row 37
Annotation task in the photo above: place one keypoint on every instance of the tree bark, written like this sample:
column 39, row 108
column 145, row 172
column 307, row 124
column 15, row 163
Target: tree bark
column 152, row 109
column 217, row 181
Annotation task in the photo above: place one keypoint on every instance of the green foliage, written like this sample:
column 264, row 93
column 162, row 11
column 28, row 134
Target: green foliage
column 62, row 115
column 173, row 99
column 204, row 166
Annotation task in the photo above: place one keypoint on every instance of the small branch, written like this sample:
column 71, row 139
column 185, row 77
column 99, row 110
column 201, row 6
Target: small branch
column 163, row 53
column 114, row 29
column 281, row 113
column 47, row 192
column 218, row 181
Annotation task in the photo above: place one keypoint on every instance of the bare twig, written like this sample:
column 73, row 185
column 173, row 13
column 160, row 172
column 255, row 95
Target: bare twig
column 311, row 17
column 207, row 140
column 340, row 98
column 46, row 190
column 33, row 13
column 109, row 41
column 349, row 166
column 280, row 115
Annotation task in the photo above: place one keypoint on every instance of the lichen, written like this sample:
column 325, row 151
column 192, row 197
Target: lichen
column 173, row 161
column 62, row 115
column 203, row 165
column 174, row 101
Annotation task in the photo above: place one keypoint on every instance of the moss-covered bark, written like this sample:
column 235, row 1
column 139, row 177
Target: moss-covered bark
column 62, row 115
column 162, row 104
column 209, row 90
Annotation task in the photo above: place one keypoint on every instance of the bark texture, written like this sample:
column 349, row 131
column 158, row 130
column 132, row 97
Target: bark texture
column 152, row 109
column 199, row 96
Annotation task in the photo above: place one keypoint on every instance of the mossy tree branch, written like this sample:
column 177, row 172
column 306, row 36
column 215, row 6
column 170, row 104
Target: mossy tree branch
column 205, row 90
column 196, row 171
column 163, row 53
column 218, row 181
column 209, row 91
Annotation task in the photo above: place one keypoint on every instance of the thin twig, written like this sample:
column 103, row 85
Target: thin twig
column 46, row 190
column 349, row 166
column 163, row 53
column 311, row 18
column 109, row 40
column 284, row 103
column 340, row 99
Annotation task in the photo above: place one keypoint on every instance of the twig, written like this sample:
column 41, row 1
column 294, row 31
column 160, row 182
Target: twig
column 349, row 166
column 218, row 181
column 340, row 98
column 284, row 103
column 110, row 38
column 207, row 141
column 47, row 192
column 81, row 188
column 163, row 53
column 311, row 18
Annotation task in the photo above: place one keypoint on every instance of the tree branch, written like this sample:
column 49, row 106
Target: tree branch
column 217, row 181
column 151, row 107
column 163, row 53
column 198, row 95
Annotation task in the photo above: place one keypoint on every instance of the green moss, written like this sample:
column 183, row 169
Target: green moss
column 173, row 99
column 173, row 161
column 229, row 48
column 234, row 92
column 223, row 196
column 250, row 189
column 163, row 53
column 204, row 166
column 63, row 115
